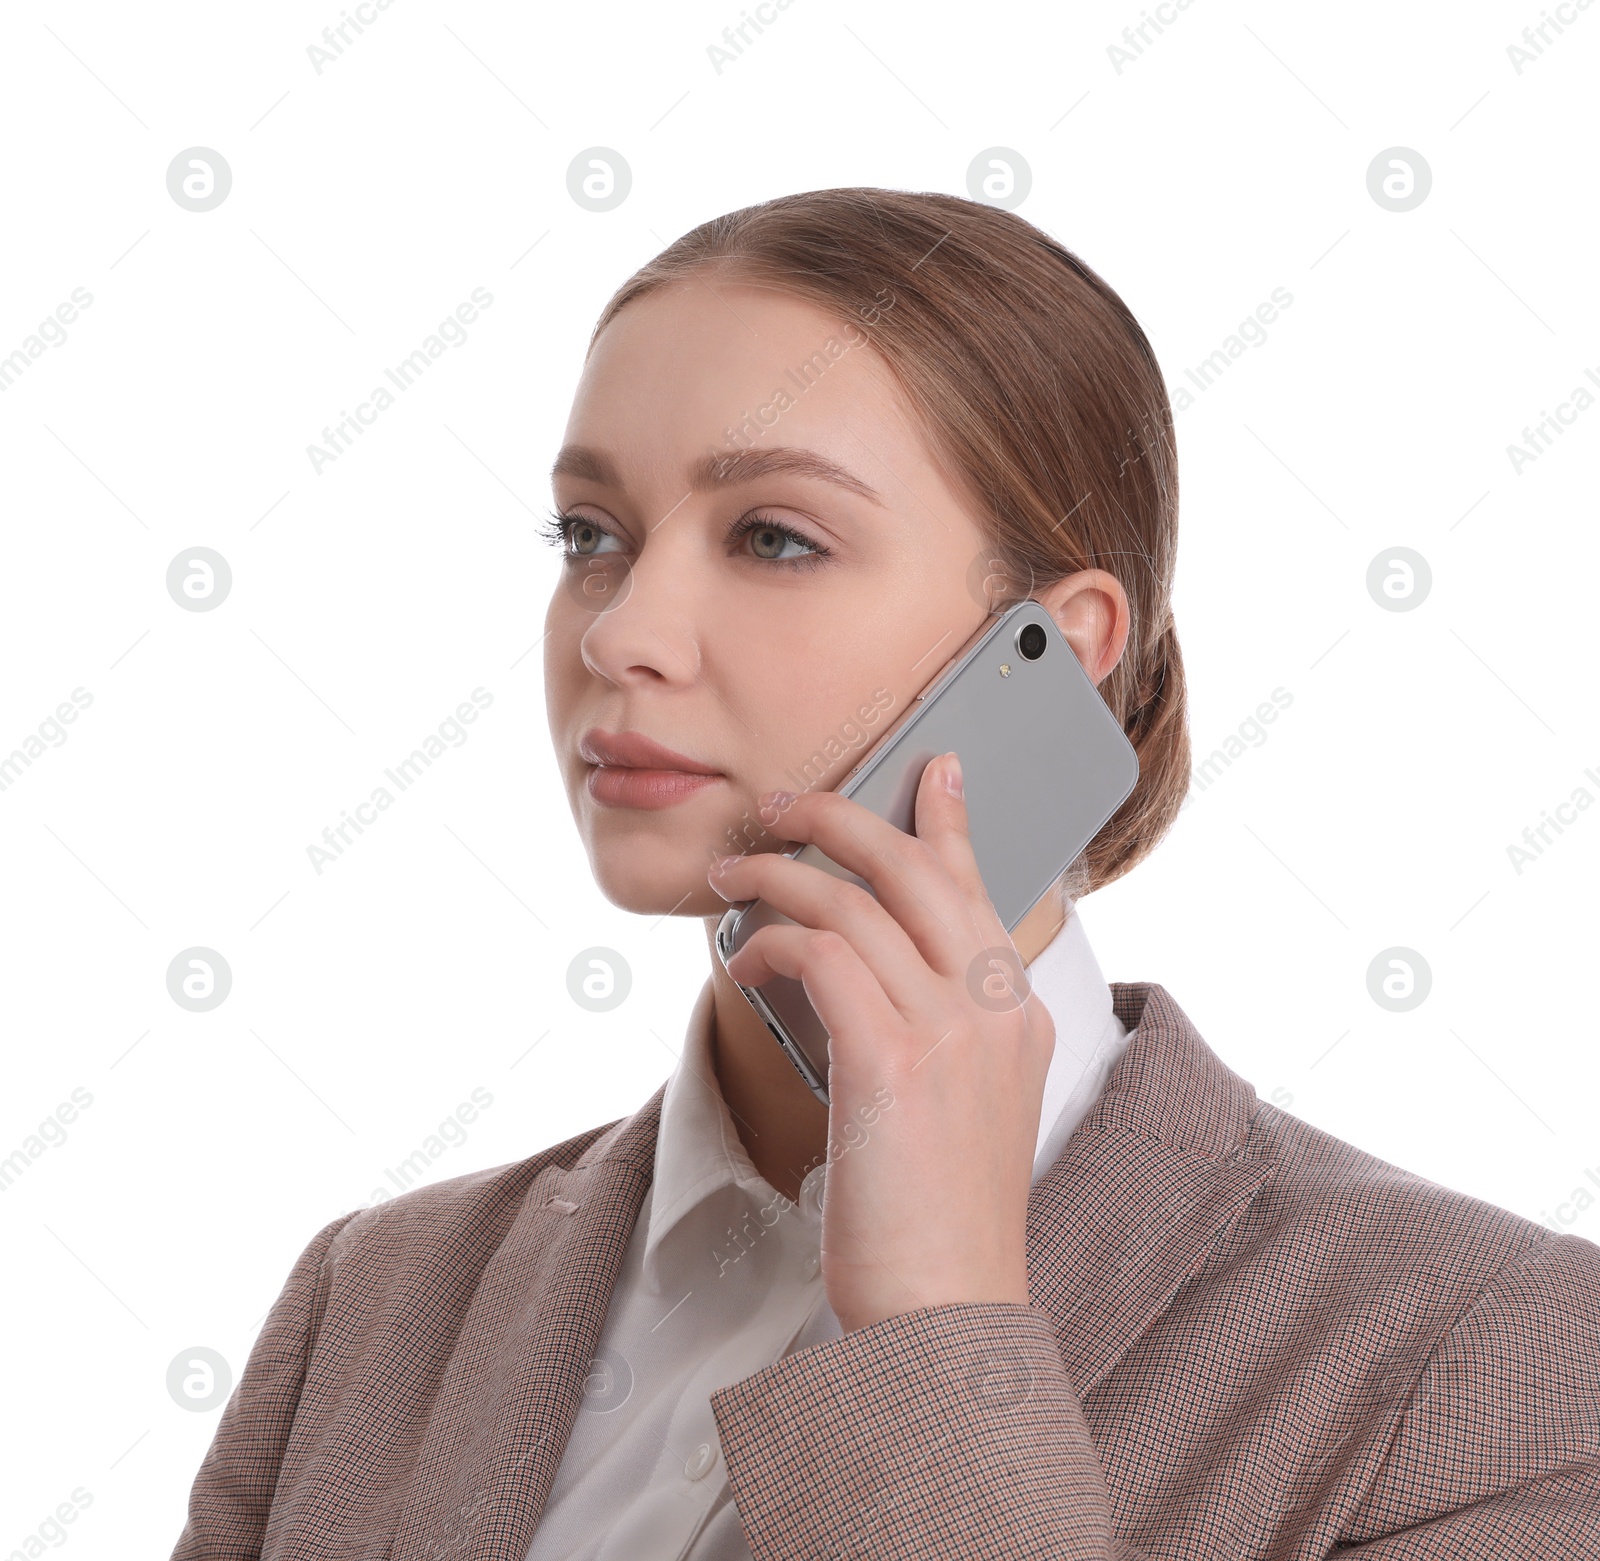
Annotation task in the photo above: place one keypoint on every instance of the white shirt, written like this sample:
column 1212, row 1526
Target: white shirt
column 722, row 1277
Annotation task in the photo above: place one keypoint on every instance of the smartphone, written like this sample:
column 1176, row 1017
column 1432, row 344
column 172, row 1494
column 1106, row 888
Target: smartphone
column 1044, row 764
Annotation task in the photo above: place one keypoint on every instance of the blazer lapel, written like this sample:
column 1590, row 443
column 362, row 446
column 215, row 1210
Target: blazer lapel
column 506, row 1405
column 1154, row 1174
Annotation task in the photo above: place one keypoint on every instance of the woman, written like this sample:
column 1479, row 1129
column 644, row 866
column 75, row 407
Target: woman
column 1074, row 1291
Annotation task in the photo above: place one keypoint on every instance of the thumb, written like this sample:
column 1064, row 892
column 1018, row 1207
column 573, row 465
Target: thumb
column 942, row 823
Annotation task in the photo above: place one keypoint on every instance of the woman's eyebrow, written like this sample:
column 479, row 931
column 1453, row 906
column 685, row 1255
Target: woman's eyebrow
column 720, row 471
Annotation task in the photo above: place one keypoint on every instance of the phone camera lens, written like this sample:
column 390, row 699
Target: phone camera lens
column 1031, row 641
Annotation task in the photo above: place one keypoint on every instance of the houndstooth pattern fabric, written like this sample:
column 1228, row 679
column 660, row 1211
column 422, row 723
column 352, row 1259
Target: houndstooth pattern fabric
column 1246, row 1341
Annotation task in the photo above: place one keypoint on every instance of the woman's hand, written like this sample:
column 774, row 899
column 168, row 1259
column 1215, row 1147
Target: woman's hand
column 937, row 1059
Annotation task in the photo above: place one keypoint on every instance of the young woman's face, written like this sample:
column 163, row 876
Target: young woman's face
column 763, row 615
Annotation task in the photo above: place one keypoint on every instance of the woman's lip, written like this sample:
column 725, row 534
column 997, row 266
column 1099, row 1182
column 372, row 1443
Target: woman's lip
column 618, row 786
column 636, row 751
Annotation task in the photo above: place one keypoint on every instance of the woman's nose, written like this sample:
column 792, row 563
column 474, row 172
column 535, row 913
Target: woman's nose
column 642, row 624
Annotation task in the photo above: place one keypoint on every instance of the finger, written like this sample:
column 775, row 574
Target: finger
column 820, row 901
column 943, row 825
column 908, row 879
column 862, row 1024
column 869, row 1042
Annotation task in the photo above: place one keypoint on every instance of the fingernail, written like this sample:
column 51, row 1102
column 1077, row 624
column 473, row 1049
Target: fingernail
column 719, row 864
column 952, row 775
column 777, row 799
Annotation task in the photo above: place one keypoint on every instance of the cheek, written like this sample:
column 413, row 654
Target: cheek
column 812, row 711
column 564, row 672
column 833, row 691
column 777, row 669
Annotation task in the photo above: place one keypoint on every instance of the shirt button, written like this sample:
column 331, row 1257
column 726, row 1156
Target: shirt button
column 812, row 1268
column 700, row 1460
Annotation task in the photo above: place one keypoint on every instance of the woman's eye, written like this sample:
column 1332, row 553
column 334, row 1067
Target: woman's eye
column 585, row 539
column 576, row 536
column 768, row 540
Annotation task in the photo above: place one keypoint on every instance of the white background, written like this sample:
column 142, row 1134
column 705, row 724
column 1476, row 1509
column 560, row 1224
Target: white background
column 429, row 158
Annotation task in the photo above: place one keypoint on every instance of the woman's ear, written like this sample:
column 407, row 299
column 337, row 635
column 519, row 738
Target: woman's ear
column 1091, row 609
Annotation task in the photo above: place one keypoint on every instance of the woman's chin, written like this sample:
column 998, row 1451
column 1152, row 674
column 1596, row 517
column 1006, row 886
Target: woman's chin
column 656, row 889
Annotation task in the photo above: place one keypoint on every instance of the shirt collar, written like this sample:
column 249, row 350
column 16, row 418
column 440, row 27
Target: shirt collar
column 698, row 1148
